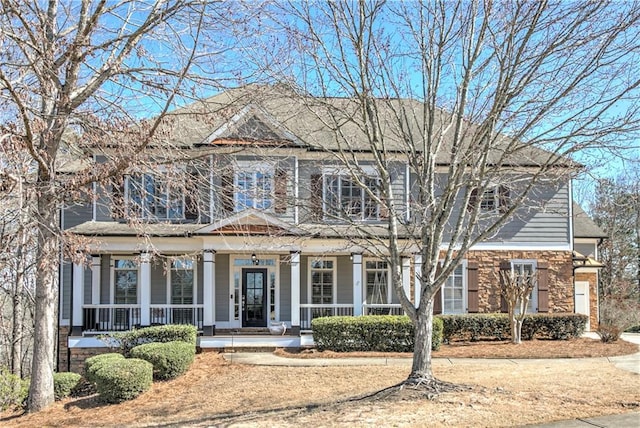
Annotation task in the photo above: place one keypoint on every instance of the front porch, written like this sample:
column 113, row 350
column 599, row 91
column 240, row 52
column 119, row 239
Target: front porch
column 227, row 291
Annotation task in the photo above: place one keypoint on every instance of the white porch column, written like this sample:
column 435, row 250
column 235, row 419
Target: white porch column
column 96, row 262
column 406, row 276
column 295, row 290
column 78, row 298
column 358, row 299
column 145, row 289
column 208, row 294
column 417, row 264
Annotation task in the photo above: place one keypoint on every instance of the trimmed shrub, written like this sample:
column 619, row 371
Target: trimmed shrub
column 381, row 333
column 92, row 364
column 64, row 383
column 169, row 360
column 163, row 333
column 13, row 390
column 496, row 326
column 123, row 379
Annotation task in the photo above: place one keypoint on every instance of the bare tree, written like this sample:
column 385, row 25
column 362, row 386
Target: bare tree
column 473, row 96
column 516, row 289
column 76, row 78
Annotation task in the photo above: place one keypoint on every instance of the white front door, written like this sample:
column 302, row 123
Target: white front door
column 582, row 300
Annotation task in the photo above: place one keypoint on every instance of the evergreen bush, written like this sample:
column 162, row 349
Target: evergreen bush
column 64, row 383
column 163, row 333
column 92, row 364
column 13, row 390
column 169, row 360
column 382, row 333
column 123, row 379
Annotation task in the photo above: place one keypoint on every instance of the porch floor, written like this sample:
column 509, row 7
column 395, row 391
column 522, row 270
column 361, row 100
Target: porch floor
column 246, row 342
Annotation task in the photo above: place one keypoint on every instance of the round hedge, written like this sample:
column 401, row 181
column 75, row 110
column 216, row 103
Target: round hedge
column 92, row 364
column 64, row 383
column 169, row 360
column 123, row 379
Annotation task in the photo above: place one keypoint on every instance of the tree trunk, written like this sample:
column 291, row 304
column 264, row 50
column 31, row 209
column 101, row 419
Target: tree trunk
column 42, row 368
column 16, row 332
column 421, row 369
column 516, row 332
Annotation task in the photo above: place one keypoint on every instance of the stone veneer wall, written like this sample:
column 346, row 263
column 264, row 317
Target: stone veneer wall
column 78, row 355
column 63, row 348
column 592, row 279
column 561, row 294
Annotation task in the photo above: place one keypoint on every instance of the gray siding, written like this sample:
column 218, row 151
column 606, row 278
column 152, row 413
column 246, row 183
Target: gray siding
column 285, row 290
column 222, row 287
column 66, row 291
column 87, row 285
column 344, row 273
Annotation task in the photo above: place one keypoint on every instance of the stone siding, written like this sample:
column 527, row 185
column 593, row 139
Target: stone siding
column 78, row 355
column 560, row 271
column 63, row 349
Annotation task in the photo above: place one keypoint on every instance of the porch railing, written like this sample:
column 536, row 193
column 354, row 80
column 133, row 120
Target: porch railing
column 382, row 309
column 177, row 314
column 310, row 311
column 110, row 317
column 125, row 317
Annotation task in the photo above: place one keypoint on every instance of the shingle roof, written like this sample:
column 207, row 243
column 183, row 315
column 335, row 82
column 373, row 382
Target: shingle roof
column 315, row 122
column 584, row 226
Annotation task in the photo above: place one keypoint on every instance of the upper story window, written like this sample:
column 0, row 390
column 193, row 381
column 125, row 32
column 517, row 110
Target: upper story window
column 345, row 199
column 154, row 197
column 493, row 199
column 256, row 185
column 253, row 189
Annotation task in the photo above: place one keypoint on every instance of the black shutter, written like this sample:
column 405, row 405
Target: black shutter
column 226, row 192
column 191, row 197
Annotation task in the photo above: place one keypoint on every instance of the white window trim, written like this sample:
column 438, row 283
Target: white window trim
column 112, row 281
column 465, row 291
column 255, row 166
column 169, row 270
column 128, row 204
column 345, row 174
column 533, row 301
column 334, row 290
column 364, row 279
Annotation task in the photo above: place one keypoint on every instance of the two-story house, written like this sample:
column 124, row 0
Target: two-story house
column 257, row 225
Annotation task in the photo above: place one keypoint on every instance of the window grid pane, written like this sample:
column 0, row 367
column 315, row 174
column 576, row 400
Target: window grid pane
column 322, row 275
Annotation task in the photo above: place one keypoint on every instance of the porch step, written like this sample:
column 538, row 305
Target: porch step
column 246, row 331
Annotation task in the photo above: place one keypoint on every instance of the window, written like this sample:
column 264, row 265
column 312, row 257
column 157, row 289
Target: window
column 125, row 279
column 322, row 281
column 453, row 292
column 153, row 197
column 489, row 202
column 253, row 189
column 376, row 276
column 345, row 199
column 182, row 280
column 525, row 270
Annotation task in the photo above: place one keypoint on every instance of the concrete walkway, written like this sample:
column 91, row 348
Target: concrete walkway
column 625, row 362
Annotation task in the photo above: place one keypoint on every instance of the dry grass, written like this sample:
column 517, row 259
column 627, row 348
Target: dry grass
column 504, row 393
